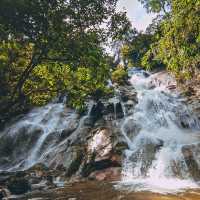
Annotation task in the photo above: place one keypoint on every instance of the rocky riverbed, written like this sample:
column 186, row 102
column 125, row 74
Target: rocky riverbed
column 55, row 153
column 75, row 147
column 93, row 190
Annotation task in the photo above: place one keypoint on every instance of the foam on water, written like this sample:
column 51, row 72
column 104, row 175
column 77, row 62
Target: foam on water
column 42, row 122
column 155, row 160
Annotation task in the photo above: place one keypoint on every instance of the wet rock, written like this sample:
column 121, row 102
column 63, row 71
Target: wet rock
column 129, row 107
column 131, row 128
column 146, row 155
column 96, row 111
column 100, row 153
column 4, row 177
column 110, row 108
column 109, row 174
column 37, row 173
column 73, row 159
column 113, row 109
column 72, row 126
column 128, row 93
column 4, row 193
column 98, row 166
column 18, row 185
column 100, row 144
column 89, row 121
column 119, row 111
column 43, row 185
column 191, row 156
column 39, row 167
column 120, row 146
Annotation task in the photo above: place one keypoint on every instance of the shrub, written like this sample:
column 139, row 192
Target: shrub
column 119, row 75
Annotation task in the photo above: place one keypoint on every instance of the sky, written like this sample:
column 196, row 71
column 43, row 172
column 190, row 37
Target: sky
column 136, row 13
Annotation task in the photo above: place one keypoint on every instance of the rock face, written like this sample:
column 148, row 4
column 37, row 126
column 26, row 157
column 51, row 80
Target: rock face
column 15, row 143
column 56, row 143
column 100, row 153
column 191, row 154
column 18, row 185
column 146, row 155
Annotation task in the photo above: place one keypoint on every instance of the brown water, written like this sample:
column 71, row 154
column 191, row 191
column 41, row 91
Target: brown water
column 92, row 190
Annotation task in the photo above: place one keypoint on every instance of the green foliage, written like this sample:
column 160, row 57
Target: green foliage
column 14, row 56
column 119, row 75
column 47, row 81
column 156, row 5
column 179, row 47
column 176, row 39
column 53, row 47
column 134, row 51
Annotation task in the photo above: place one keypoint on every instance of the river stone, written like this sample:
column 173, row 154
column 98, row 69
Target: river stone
column 100, row 143
column 109, row 174
column 4, row 193
column 18, row 185
column 100, row 153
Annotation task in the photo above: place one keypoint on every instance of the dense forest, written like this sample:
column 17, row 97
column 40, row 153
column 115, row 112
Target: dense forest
column 92, row 108
column 58, row 47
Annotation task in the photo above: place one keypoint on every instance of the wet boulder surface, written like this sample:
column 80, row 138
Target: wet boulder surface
column 101, row 190
column 54, row 145
column 56, row 153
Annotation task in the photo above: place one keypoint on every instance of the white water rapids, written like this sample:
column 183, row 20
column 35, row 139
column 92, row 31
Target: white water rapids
column 164, row 126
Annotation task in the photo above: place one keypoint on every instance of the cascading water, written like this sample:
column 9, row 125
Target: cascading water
column 29, row 136
column 162, row 144
column 50, row 122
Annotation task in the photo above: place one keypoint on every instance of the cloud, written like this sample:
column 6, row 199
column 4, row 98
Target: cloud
column 136, row 13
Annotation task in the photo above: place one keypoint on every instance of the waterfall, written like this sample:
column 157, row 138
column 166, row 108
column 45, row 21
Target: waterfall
column 36, row 135
column 162, row 136
column 50, row 122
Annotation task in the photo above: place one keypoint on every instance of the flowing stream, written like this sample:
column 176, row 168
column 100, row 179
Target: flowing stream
column 163, row 148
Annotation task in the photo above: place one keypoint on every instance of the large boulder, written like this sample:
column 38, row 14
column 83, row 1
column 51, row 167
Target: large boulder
column 4, row 193
column 101, row 156
column 18, row 184
column 108, row 174
column 128, row 93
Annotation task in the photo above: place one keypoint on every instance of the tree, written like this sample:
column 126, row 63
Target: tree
column 179, row 46
column 40, row 38
column 134, row 51
column 157, row 6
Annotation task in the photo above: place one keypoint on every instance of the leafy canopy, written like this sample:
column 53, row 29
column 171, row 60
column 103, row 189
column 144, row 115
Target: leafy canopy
column 52, row 47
